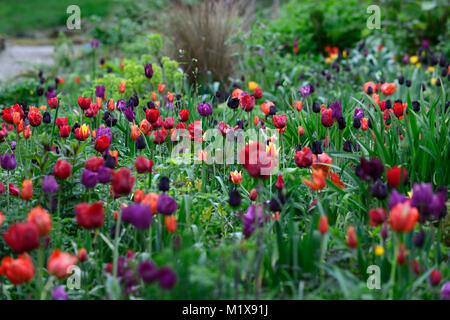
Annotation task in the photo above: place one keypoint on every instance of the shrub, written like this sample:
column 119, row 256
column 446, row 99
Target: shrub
column 200, row 34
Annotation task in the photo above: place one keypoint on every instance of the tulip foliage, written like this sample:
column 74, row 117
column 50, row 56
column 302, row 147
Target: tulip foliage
column 124, row 171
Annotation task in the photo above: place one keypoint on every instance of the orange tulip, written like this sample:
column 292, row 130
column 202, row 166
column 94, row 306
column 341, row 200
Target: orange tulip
column 59, row 263
column 403, row 217
column 171, row 223
column 139, row 195
column 122, row 86
column 135, row 133
column 352, row 238
column 388, row 88
column 169, row 96
column 323, row 224
column 336, row 180
column 364, row 124
column 161, row 88
column 42, row 219
column 151, row 200
column 27, row 190
column 318, row 180
column 298, row 105
column 2, row 218
column 111, row 105
column 236, row 92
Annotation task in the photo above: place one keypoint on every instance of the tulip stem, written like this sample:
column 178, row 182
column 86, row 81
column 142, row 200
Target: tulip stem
column 394, row 266
column 53, row 127
column 8, row 194
column 116, row 243
column 150, row 242
column 40, row 258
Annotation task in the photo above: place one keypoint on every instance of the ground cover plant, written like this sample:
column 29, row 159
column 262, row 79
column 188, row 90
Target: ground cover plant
column 306, row 173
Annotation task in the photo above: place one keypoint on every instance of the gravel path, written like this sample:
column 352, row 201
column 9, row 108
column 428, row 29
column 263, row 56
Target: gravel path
column 17, row 59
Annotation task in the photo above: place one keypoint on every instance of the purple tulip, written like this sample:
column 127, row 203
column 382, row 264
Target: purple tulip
column 405, row 58
column 305, row 91
column 166, row 204
column 100, row 91
column 148, row 271
column 89, row 178
column 359, row 113
column 50, row 94
column 102, row 131
column 138, row 215
column 167, row 278
column 205, row 109
column 13, row 145
column 49, row 185
column 336, row 110
column 445, row 291
column 129, row 114
column 104, row 174
column 249, row 219
column 8, row 161
column 95, row 43
column 121, row 104
column 148, row 70
column 396, row 198
column 430, row 206
column 59, row 293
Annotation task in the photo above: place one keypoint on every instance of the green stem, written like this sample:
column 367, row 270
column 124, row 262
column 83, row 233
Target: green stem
column 393, row 267
column 116, row 243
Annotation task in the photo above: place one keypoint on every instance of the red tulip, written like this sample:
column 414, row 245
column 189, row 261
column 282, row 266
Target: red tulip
column 90, row 216
column 152, row 115
column 255, row 160
column 169, row 123
column 247, row 102
column 143, row 165
column 258, row 93
column 102, row 143
column 253, row 194
column 279, row 121
column 326, row 118
column 280, row 182
column 122, row 181
column 82, row 254
column 18, row 270
column 53, row 102
column 62, row 169
column 64, row 131
column 7, row 114
column 13, row 190
column 84, row 102
column 435, row 277
column 22, row 236
column 184, row 115
column 393, row 176
column 34, row 116
column 377, row 216
column 93, row 163
column 303, row 159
